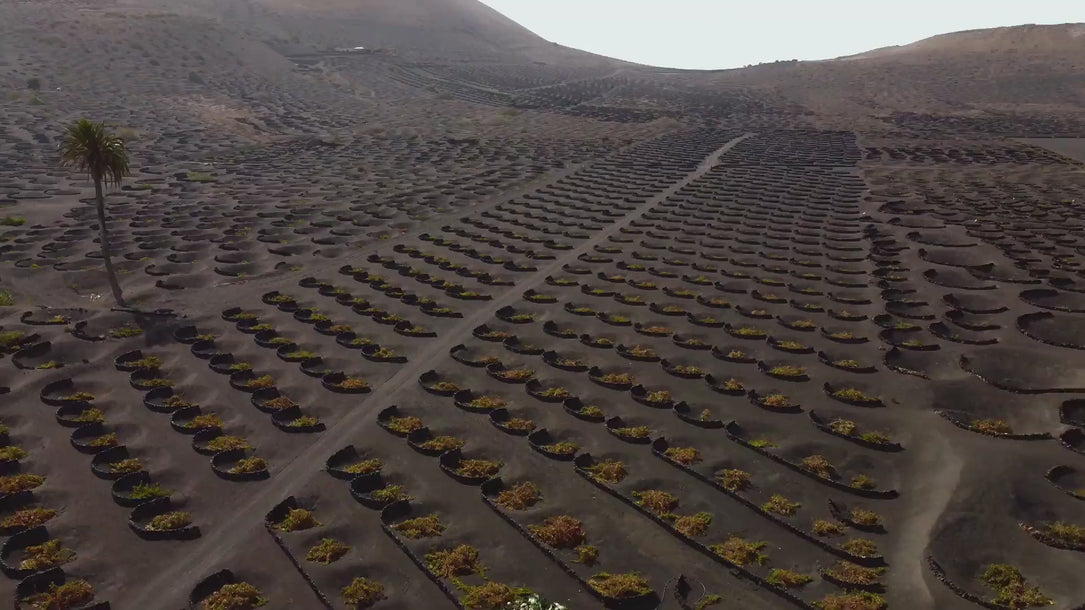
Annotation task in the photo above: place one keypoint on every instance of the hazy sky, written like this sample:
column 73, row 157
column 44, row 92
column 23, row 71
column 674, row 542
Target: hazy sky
column 731, row 33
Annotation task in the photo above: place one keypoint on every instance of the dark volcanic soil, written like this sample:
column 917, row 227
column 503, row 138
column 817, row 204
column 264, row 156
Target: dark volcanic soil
column 837, row 320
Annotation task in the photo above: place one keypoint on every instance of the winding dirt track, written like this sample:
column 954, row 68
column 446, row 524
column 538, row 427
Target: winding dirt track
column 246, row 519
column 940, row 466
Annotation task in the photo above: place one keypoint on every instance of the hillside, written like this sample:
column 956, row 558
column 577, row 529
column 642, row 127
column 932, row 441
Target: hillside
column 1065, row 39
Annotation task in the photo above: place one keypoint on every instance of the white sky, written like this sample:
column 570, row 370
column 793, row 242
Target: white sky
column 707, row 34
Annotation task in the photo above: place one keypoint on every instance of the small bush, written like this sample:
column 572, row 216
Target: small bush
column 866, row 517
column 28, row 517
column 150, row 363
column 404, row 425
column 19, row 482
column 855, row 574
column 608, row 471
column 734, row 479
column 363, row 593
column 827, row 528
column 249, row 465
column 169, row 521
column 176, row 402
column 740, row 552
column 561, row 532
column 659, row 502
column 844, row 426
column 516, row 374
column 853, row 600
column 303, row 421
column 460, row 561
column 491, row 596
column 12, row 453
column 819, row 465
column 69, row 595
column 633, row 432
column 420, row 527
column 443, row 443
column 877, row 438
column 618, row 378
column 12, row 221
column 79, row 397
column 365, row 467
column 693, row 525
column 263, row 381
column 787, row 579
column 781, row 506
column 279, row 402
column 106, row 440
column 1011, row 588
column 619, row 585
column 487, row 402
column 149, row 491
column 862, row 481
column 390, row 493
column 205, row 420
column 228, row 443
column 791, row 345
column 587, row 554
column 199, row 177
column 1066, row 532
column 684, row 455
column 591, row 411
column 562, row 448
column 90, row 416
column 327, row 551
column 297, row 519
column 478, row 468
column 788, row 371
column 777, row 401
column 861, row 547
column 234, row 596
column 733, row 385
column 853, row 395
column 993, row 427
column 519, row 423
column 126, row 465
column 10, row 339
column 520, row 497
column 49, row 554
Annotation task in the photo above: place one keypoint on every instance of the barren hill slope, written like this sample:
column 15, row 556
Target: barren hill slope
column 1027, row 70
column 448, row 29
column 1064, row 39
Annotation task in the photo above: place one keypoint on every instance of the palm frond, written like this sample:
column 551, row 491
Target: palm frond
column 90, row 149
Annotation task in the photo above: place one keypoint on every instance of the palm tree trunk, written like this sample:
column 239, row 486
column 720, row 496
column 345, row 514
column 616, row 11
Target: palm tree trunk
column 103, row 237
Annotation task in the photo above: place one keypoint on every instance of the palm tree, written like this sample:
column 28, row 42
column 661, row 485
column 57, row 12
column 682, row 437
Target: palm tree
column 91, row 149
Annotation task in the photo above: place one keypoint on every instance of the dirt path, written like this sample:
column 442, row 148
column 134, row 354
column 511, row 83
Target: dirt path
column 245, row 521
column 574, row 81
column 939, row 467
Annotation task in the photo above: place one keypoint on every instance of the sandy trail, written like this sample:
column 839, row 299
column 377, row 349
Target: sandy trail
column 246, row 519
column 940, row 468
